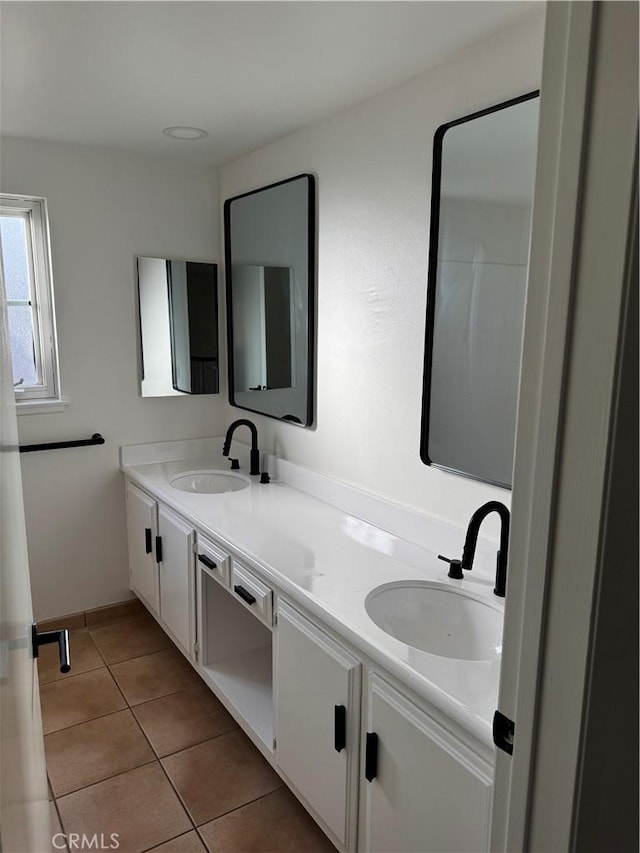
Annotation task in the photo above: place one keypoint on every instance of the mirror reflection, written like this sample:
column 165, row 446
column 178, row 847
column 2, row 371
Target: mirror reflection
column 270, row 268
column 263, row 328
column 178, row 304
column 483, row 180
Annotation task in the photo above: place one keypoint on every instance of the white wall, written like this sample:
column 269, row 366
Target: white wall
column 373, row 167
column 105, row 208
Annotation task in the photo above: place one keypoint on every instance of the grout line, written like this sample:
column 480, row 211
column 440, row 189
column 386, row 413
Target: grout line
column 146, row 849
column 175, row 790
column 182, row 690
column 99, row 716
column 169, row 648
column 152, row 698
column 69, row 677
column 183, row 801
column 95, row 646
column 89, row 720
column 64, row 832
column 66, row 677
column 84, row 722
column 146, row 701
column 199, row 742
column 178, row 794
column 144, row 734
column 107, row 778
column 120, row 690
column 136, row 657
column 202, row 841
column 241, row 806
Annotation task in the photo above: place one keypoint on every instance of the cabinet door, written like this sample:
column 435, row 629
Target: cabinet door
column 177, row 604
column 429, row 792
column 141, row 534
column 317, row 694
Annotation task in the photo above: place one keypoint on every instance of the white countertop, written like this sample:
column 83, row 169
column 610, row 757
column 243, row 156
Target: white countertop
column 328, row 560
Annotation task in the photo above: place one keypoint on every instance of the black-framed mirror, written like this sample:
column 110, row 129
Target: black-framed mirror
column 270, row 287
column 482, row 195
column 178, row 315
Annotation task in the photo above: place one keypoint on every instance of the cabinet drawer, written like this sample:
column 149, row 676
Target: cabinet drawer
column 253, row 593
column 213, row 560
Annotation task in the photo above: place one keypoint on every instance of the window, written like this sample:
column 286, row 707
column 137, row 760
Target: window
column 26, row 272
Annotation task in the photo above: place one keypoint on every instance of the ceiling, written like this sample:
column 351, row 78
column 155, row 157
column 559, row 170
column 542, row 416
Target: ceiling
column 116, row 73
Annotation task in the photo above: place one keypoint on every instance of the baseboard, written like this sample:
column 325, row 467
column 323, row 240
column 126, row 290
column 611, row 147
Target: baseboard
column 94, row 618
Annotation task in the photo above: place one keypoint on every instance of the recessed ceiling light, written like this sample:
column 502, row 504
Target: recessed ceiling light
column 185, row 132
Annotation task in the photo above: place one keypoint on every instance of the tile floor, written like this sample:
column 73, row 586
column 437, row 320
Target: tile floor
column 137, row 745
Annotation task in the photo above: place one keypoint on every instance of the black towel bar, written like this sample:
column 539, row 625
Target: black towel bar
column 96, row 438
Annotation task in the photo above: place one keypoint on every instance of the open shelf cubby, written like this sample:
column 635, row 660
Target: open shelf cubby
column 236, row 656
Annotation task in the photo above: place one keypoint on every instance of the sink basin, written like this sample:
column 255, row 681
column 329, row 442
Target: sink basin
column 210, row 482
column 437, row 619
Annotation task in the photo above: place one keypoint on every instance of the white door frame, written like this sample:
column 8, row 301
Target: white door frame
column 579, row 281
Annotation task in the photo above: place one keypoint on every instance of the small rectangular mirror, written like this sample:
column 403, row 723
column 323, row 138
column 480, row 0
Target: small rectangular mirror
column 270, row 273
column 178, row 304
column 482, row 195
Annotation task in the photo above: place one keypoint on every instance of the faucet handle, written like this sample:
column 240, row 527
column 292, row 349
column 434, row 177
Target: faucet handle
column 455, row 568
column 235, row 465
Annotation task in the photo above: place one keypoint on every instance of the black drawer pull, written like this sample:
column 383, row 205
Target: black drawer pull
column 371, row 757
column 207, row 562
column 244, row 595
column 158, row 549
column 147, row 540
column 339, row 727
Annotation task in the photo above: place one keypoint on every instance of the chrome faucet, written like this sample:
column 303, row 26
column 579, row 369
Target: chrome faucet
column 472, row 538
column 254, row 455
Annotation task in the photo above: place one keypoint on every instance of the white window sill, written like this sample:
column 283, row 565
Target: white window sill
column 40, row 407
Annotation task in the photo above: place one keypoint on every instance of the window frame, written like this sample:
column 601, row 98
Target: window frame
column 35, row 210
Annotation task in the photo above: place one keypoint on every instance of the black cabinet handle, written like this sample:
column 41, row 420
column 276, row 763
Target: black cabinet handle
column 246, row 596
column 147, row 540
column 339, row 727
column 158, row 549
column 371, row 757
column 207, row 562
column 60, row 637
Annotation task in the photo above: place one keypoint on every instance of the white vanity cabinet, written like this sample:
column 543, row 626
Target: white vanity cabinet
column 161, row 566
column 380, row 768
column 317, row 698
column 420, row 789
column 142, row 529
column 174, row 553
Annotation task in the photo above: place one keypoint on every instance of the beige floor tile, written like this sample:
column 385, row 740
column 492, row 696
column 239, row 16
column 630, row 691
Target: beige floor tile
column 79, row 698
column 84, row 657
column 84, row 754
column 130, row 638
column 140, row 806
column 219, row 775
column 183, row 719
column 189, row 843
column 276, row 823
column 155, row 675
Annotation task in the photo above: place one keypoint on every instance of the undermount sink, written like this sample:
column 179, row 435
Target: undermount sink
column 437, row 619
column 210, row 482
